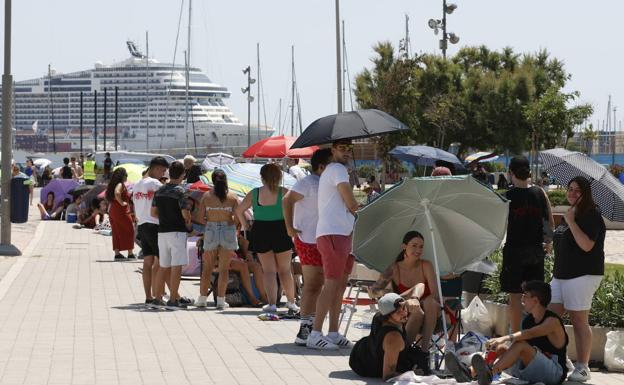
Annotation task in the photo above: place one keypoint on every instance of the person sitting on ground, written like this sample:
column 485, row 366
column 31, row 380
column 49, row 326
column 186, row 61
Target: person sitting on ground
column 386, row 353
column 49, row 209
column 372, row 182
column 254, row 267
column 95, row 214
column 72, row 208
column 415, row 280
column 537, row 352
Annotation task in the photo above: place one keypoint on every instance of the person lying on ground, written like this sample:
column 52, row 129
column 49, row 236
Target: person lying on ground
column 414, row 279
column 385, row 353
column 537, row 353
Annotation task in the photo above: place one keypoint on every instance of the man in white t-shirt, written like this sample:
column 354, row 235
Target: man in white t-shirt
column 295, row 170
column 302, row 201
column 336, row 209
column 142, row 196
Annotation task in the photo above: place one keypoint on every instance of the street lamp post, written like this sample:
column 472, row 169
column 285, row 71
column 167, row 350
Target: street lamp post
column 438, row 25
column 247, row 90
column 6, row 248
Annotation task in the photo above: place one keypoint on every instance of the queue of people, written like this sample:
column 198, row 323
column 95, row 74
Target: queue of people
column 316, row 218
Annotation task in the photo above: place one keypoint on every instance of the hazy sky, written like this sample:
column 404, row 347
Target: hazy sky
column 73, row 34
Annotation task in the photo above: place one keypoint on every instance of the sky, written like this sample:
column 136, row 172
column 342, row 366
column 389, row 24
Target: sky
column 72, row 35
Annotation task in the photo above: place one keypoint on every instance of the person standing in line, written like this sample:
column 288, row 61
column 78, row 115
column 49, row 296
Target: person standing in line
column 76, row 168
column 170, row 206
column 89, row 170
column 108, row 166
column 269, row 237
column 193, row 171
column 300, row 207
column 525, row 249
column 66, row 171
column 119, row 214
column 31, row 171
column 336, row 209
column 579, row 268
column 142, row 197
column 295, row 170
column 220, row 241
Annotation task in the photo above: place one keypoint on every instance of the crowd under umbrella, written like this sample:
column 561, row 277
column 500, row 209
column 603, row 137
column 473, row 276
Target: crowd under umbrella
column 80, row 190
column 349, row 125
column 607, row 190
column 278, row 147
column 61, row 189
column 461, row 220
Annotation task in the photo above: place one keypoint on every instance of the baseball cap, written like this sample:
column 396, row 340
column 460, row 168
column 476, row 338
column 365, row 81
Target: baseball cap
column 159, row 161
column 387, row 303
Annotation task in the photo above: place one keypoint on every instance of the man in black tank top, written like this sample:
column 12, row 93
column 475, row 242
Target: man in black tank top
column 537, row 353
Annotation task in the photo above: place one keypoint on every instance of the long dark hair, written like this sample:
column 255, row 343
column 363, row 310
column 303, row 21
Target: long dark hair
column 585, row 203
column 406, row 239
column 220, row 183
column 119, row 176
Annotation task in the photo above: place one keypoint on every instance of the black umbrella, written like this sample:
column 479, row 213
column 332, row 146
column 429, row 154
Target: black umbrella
column 348, row 125
column 607, row 191
column 93, row 194
column 75, row 192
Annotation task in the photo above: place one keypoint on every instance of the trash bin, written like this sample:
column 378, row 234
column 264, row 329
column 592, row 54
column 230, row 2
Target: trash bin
column 20, row 194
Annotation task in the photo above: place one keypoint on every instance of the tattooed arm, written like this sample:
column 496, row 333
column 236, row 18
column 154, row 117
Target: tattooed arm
column 382, row 286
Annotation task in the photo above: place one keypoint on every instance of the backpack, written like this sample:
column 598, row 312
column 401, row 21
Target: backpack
column 233, row 293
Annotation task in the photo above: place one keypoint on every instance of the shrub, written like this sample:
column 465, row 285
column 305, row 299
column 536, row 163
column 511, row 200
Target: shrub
column 558, row 197
column 365, row 171
column 616, row 170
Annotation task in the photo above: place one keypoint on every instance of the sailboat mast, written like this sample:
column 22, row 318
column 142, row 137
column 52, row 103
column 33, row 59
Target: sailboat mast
column 186, row 99
column 259, row 80
column 51, row 107
column 344, row 65
column 188, row 65
column 146, row 90
column 338, row 60
column 292, row 105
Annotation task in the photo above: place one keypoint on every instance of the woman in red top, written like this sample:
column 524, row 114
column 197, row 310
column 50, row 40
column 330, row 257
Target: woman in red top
column 414, row 279
column 119, row 214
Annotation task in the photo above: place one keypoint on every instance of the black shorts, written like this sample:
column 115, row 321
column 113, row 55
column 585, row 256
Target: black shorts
column 268, row 236
column 148, row 235
column 521, row 264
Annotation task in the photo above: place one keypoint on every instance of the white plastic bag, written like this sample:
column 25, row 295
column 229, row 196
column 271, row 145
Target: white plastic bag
column 476, row 318
column 614, row 351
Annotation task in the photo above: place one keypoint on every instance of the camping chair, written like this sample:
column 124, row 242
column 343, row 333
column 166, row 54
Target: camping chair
column 452, row 294
column 350, row 303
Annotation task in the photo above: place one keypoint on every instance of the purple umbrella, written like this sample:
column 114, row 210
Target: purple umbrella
column 60, row 188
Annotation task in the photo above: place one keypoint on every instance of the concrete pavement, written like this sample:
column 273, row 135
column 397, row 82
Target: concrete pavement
column 70, row 315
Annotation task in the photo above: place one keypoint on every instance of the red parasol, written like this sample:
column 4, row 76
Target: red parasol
column 199, row 186
column 278, row 147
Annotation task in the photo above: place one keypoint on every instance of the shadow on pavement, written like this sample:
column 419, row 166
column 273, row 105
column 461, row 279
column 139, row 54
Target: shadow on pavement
column 139, row 307
column 348, row 374
column 292, row 349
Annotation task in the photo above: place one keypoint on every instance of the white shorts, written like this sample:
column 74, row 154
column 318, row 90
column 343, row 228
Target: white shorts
column 172, row 249
column 575, row 294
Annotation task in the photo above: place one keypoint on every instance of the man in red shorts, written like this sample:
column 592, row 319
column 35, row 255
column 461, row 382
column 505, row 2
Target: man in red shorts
column 336, row 209
column 301, row 215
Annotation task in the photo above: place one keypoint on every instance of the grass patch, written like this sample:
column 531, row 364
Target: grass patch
column 611, row 268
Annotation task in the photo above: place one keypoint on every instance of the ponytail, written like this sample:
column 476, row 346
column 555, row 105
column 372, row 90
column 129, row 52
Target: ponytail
column 219, row 181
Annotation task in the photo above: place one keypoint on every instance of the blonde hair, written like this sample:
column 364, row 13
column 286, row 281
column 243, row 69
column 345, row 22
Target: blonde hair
column 271, row 176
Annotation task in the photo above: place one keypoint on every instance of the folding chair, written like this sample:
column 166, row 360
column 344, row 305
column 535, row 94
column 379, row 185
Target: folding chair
column 452, row 293
column 350, row 303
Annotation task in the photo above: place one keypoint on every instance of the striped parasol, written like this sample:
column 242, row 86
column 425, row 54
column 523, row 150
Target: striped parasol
column 244, row 177
column 607, row 191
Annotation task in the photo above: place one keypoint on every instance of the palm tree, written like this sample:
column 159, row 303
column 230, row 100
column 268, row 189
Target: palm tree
column 588, row 136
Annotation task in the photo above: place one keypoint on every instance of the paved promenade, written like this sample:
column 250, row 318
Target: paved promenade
column 72, row 316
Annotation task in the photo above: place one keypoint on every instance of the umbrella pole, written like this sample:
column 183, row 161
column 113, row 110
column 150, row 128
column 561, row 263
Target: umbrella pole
column 425, row 203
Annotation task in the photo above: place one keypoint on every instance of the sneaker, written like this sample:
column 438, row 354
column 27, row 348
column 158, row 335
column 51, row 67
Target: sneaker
column 187, row 301
column 158, row 304
column 304, row 333
column 268, row 308
column 119, row 257
column 202, row 301
column 148, row 302
column 458, row 370
column 222, row 305
column 320, row 342
column 291, row 306
column 340, row 341
column 484, row 373
column 176, row 304
column 580, row 374
column 131, row 256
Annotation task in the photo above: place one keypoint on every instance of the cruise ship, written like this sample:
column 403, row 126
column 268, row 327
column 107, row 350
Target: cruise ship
column 145, row 99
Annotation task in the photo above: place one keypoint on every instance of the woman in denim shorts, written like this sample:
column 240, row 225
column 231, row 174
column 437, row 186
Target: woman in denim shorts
column 219, row 237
